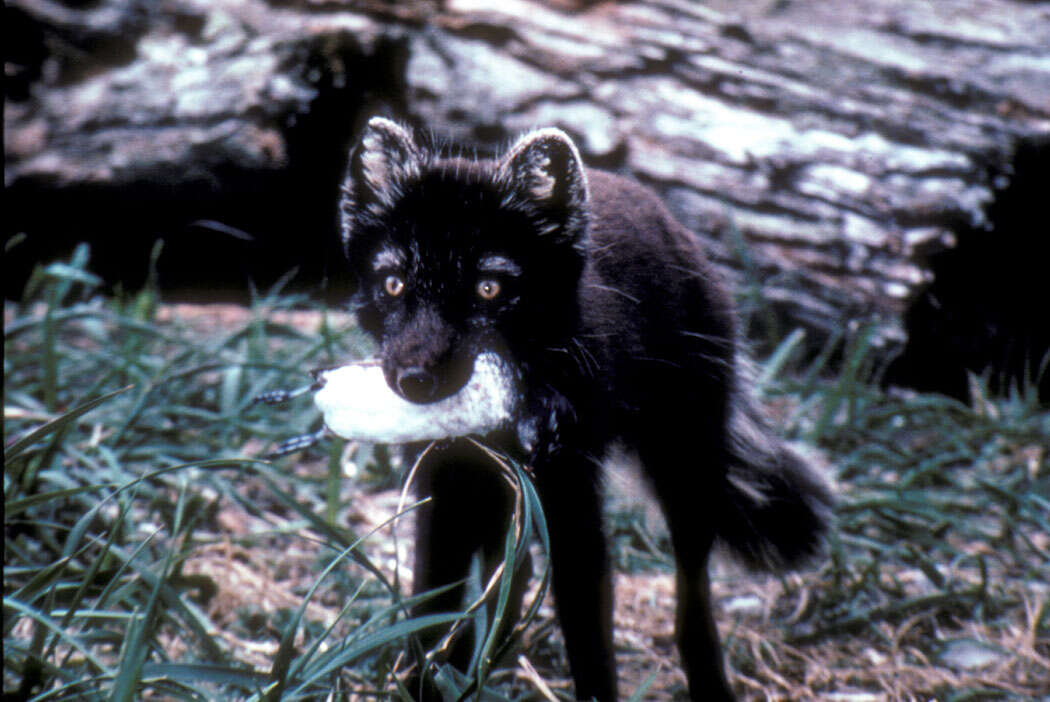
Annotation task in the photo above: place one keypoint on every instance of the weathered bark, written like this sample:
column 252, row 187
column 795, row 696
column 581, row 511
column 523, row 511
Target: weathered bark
column 842, row 143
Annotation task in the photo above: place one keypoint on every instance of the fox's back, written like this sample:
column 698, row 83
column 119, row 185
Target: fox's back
column 652, row 304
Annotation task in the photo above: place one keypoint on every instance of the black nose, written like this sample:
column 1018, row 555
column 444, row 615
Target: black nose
column 416, row 384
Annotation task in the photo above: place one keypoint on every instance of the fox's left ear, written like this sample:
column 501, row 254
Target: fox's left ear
column 383, row 162
column 543, row 171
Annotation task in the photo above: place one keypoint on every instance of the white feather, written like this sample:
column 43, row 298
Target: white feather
column 358, row 404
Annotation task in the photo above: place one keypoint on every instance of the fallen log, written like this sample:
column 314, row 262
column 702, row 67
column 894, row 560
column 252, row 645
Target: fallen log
column 826, row 152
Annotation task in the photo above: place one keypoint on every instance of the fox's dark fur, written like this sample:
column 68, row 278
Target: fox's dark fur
column 623, row 335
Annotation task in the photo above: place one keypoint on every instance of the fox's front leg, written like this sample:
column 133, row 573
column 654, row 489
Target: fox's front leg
column 581, row 577
column 468, row 512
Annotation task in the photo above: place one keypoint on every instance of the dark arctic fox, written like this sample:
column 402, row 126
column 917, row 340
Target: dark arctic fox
column 622, row 334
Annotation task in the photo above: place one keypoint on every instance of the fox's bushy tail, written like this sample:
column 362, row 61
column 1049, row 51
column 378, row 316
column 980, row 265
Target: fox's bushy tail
column 778, row 505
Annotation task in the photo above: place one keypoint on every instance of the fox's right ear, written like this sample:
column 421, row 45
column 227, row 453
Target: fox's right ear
column 544, row 172
column 385, row 158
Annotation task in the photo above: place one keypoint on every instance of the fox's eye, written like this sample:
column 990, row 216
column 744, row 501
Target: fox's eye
column 488, row 289
column 393, row 285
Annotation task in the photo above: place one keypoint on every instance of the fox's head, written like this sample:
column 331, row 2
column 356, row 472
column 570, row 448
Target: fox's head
column 453, row 256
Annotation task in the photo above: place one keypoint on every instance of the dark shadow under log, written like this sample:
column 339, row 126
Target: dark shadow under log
column 987, row 310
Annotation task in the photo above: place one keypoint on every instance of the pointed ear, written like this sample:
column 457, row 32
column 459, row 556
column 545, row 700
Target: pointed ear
column 384, row 159
column 543, row 171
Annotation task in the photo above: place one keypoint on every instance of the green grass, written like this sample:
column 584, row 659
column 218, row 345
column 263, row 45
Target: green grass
column 942, row 535
column 136, row 500
column 126, row 437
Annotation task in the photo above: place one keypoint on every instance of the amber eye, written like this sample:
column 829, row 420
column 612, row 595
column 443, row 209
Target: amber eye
column 393, row 285
column 488, row 289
